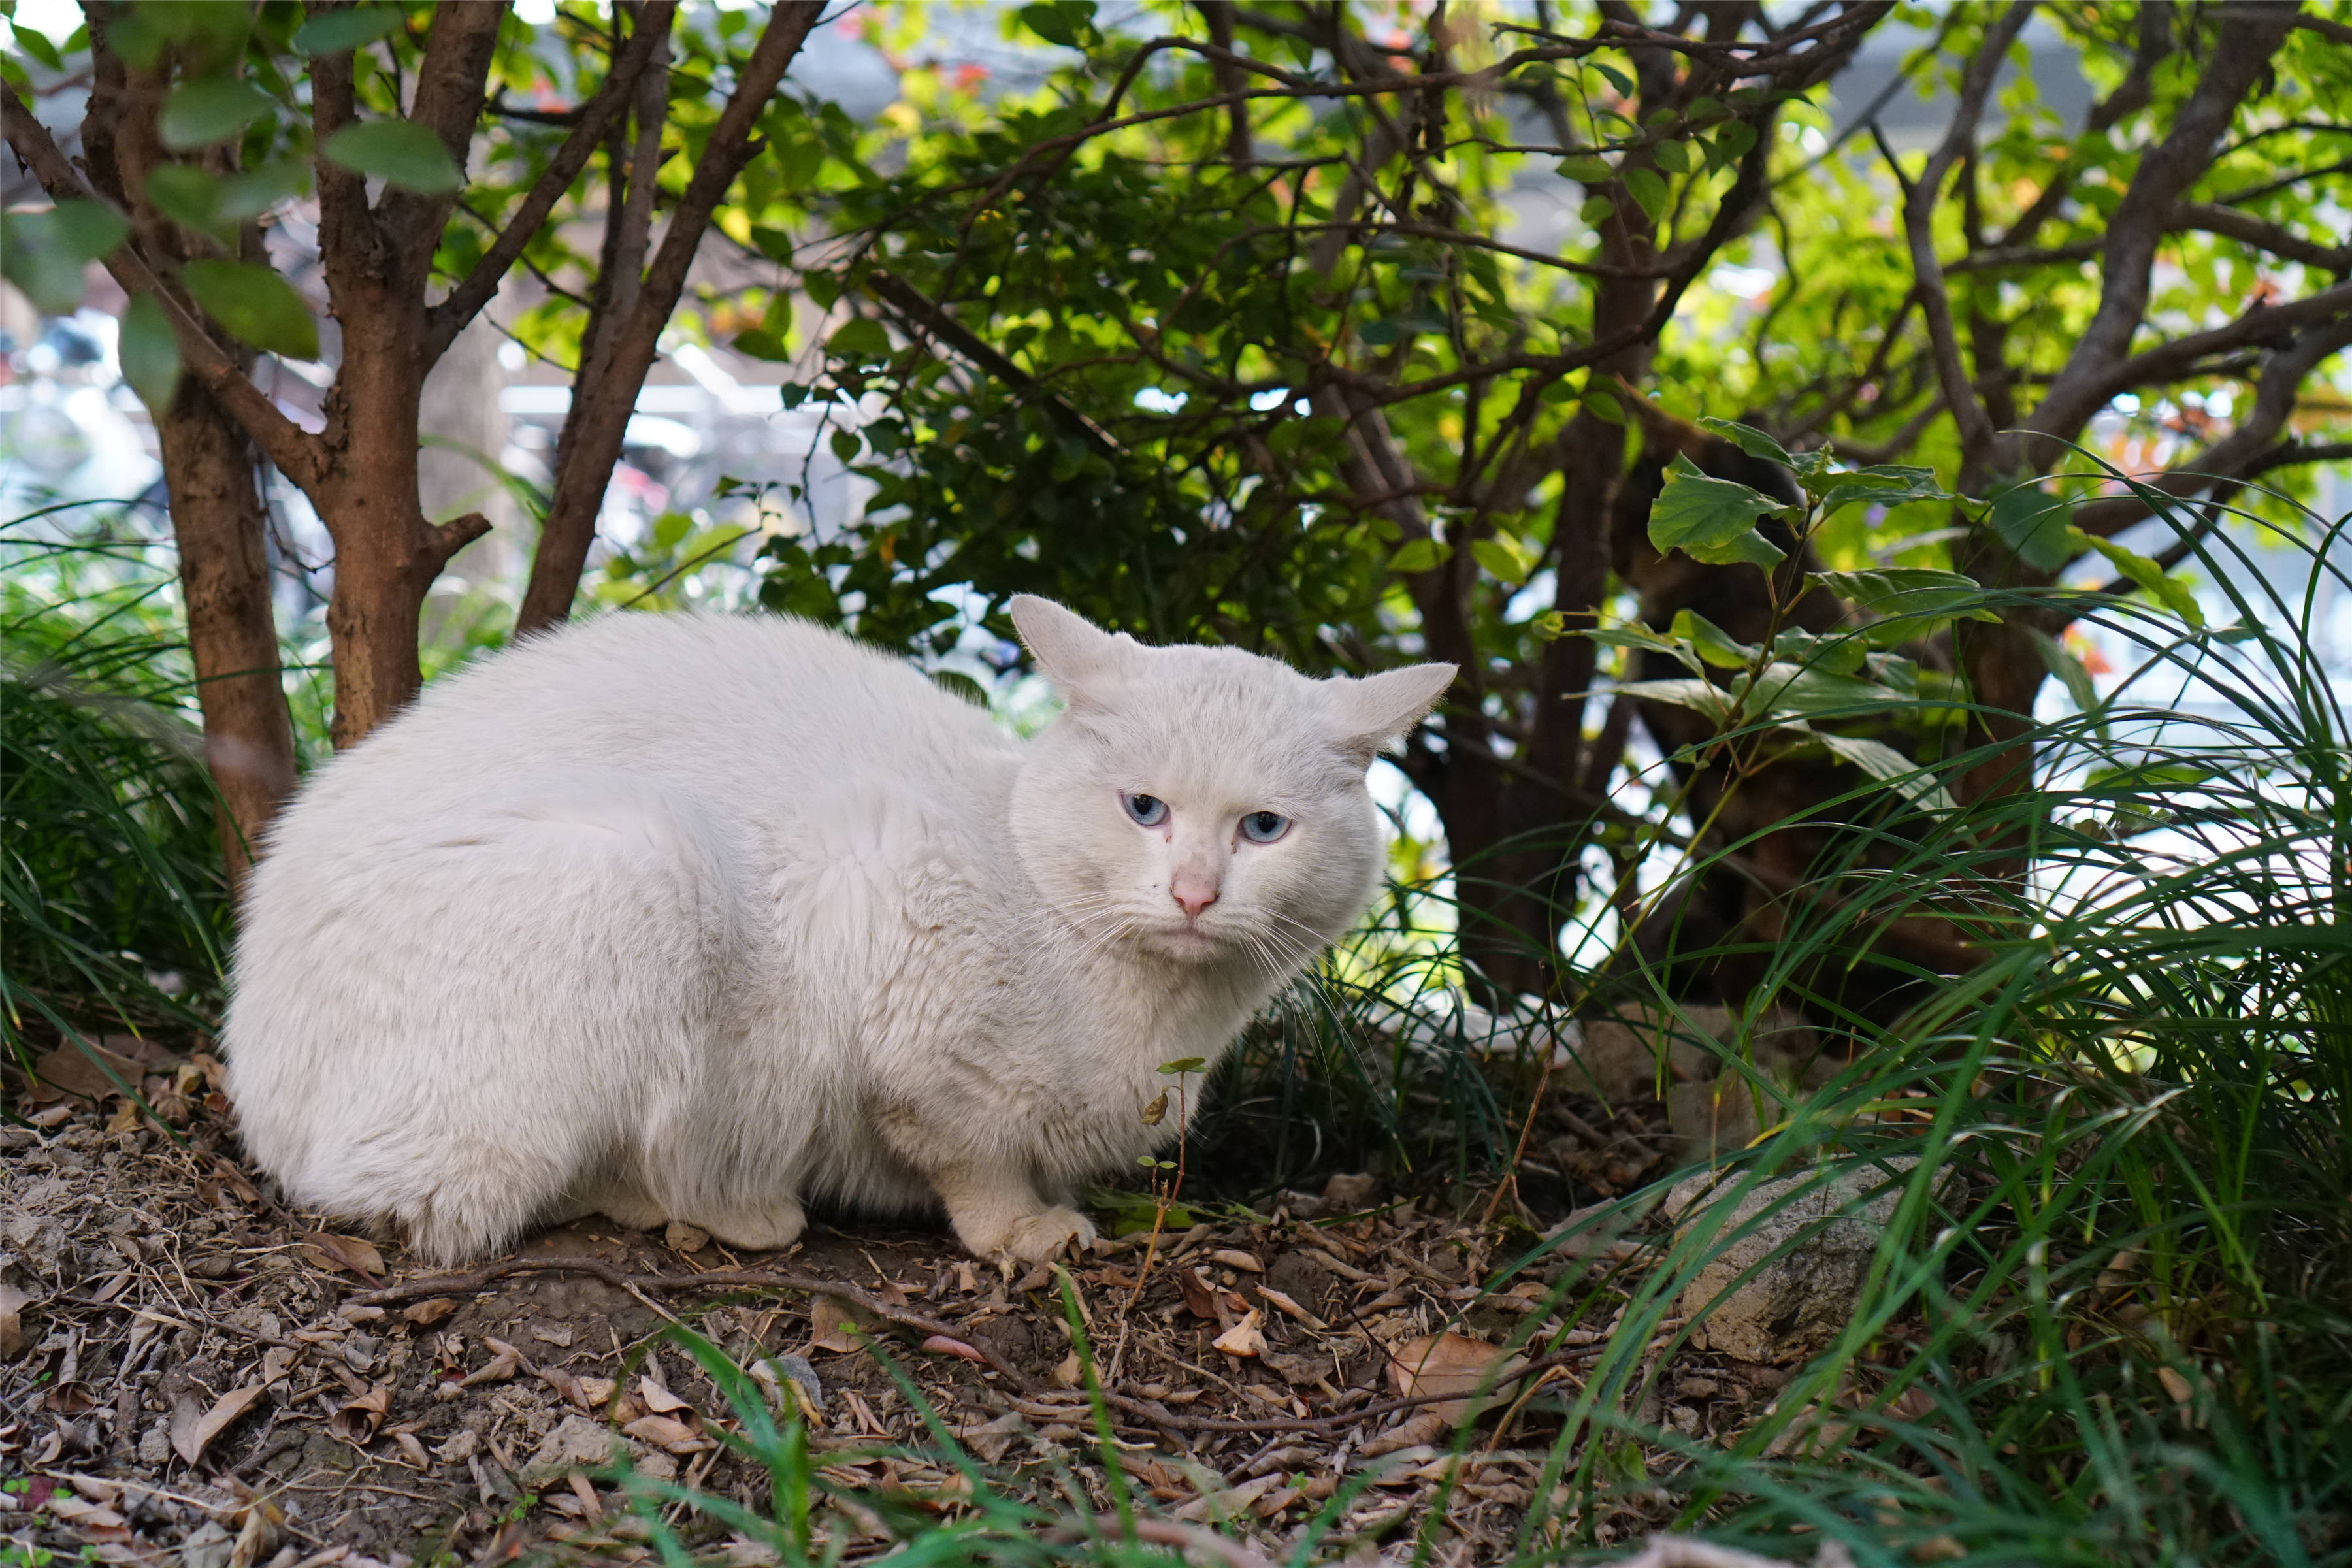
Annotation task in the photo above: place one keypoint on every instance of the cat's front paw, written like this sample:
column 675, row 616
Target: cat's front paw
column 1038, row 1237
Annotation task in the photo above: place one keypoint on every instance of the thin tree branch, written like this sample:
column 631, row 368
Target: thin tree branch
column 2230, row 458
column 1979, row 440
column 592, row 438
column 2242, row 52
column 296, row 452
column 445, row 321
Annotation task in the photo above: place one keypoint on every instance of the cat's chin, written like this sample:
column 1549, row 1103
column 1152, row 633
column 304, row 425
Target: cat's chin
column 1185, row 944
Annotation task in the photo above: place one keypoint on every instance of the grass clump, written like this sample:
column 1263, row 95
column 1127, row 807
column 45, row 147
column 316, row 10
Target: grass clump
column 114, row 914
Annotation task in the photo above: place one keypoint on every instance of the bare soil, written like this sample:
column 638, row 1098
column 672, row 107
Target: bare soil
column 191, row 1373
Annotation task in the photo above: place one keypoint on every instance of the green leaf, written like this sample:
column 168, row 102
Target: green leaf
column 775, row 244
column 1058, row 24
column 1418, row 555
column 209, row 110
column 1911, row 594
column 188, row 195
column 1881, row 485
column 254, row 192
column 43, row 253
column 336, row 31
column 1711, row 519
column 1788, row 688
column 1597, row 210
column 149, row 353
column 1648, row 189
column 1505, row 559
column 1614, row 78
column 256, row 304
column 1601, row 404
column 1839, row 653
column 1883, row 762
column 2175, row 593
column 2069, row 670
column 1711, row 642
column 1183, row 1065
column 36, row 43
column 847, row 445
column 1748, row 439
column 861, row 338
column 759, row 342
column 1587, row 170
column 1734, row 140
column 1675, row 157
column 2033, row 524
column 399, row 153
column 1635, row 635
column 1699, row 695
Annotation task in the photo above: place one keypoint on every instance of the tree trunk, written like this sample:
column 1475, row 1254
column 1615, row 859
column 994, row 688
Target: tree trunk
column 218, row 525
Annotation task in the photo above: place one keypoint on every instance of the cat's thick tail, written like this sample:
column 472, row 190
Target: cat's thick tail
column 463, row 1023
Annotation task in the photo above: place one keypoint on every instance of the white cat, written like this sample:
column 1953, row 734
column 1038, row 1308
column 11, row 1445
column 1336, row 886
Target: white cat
column 694, row 918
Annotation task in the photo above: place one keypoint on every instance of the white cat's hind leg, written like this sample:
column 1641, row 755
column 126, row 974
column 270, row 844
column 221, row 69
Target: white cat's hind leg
column 457, row 1030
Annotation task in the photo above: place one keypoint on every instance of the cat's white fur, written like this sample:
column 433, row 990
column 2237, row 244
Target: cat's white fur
column 693, row 918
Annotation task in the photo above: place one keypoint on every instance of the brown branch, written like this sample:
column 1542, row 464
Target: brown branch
column 445, row 321
column 2242, row 52
column 2335, row 32
column 1979, row 440
column 2232, row 224
column 2228, row 459
column 452, row 82
column 2261, row 324
column 2154, row 42
column 296, row 452
column 592, row 438
column 911, row 305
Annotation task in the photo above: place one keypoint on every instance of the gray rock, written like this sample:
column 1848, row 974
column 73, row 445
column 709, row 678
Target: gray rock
column 576, row 1443
column 1829, row 1222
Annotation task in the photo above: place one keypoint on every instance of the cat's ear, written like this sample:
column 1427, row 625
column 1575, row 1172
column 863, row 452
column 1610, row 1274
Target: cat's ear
column 1083, row 661
column 1374, row 710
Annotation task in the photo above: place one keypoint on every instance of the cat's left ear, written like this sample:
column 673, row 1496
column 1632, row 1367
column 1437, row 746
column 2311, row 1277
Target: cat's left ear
column 1374, row 710
column 1085, row 662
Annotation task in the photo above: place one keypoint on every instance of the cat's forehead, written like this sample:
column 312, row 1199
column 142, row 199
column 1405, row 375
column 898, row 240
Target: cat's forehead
column 1220, row 721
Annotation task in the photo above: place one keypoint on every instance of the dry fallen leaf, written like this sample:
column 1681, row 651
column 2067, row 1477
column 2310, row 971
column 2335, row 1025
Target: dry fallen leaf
column 1199, row 1300
column 1290, row 1307
column 325, row 1250
column 504, row 1363
column 1447, row 1363
column 356, row 1422
column 942, row 1345
column 2174, row 1385
column 1232, row 1258
column 669, row 1433
column 683, row 1237
column 412, row 1452
column 830, row 1326
column 1068, row 1373
column 565, row 1385
column 193, row 1429
column 276, row 1362
column 658, row 1399
column 426, row 1312
column 1243, row 1338
column 13, row 1303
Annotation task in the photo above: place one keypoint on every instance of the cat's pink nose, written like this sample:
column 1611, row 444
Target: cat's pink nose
column 1192, row 894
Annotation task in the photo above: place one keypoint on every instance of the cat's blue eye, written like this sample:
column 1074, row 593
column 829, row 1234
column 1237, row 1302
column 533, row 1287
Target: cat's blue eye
column 1149, row 810
column 1265, row 826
